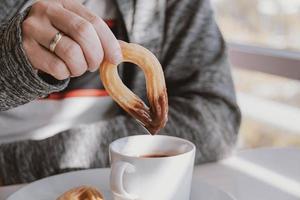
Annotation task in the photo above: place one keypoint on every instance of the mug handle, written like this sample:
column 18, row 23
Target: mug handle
column 116, row 180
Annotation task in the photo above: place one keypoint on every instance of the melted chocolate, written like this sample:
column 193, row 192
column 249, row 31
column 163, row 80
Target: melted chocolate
column 152, row 119
column 155, row 156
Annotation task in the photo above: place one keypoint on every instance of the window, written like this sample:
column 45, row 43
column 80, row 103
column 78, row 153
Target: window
column 268, row 23
column 271, row 109
column 264, row 48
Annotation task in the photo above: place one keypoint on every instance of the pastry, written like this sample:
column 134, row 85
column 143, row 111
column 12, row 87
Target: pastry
column 153, row 118
column 82, row 193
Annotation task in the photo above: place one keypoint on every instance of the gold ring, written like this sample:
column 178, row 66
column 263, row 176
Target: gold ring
column 55, row 41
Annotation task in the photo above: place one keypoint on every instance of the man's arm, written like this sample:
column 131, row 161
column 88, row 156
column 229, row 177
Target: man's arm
column 19, row 83
column 203, row 107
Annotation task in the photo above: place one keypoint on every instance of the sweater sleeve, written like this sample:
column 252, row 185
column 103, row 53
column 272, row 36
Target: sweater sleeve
column 19, row 83
column 202, row 99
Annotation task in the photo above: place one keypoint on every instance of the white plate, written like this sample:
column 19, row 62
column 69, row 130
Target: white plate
column 50, row 188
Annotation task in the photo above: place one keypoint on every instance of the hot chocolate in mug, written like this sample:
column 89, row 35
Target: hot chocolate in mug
column 147, row 167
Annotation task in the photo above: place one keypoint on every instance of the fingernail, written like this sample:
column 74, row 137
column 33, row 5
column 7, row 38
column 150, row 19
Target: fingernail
column 117, row 58
column 93, row 69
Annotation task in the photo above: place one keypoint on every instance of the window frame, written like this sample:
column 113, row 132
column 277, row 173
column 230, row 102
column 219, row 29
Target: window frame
column 272, row 61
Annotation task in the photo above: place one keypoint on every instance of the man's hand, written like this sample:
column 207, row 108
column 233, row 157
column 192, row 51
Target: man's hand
column 85, row 42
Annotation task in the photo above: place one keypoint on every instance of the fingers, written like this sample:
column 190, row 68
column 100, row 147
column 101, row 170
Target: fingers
column 45, row 61
column 71, row 53
column 66, row 49
column 110, row 44
column 87, row 38
column 81, row 31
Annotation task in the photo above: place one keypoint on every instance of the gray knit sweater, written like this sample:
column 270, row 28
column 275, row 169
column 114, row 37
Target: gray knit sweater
column 185, row 38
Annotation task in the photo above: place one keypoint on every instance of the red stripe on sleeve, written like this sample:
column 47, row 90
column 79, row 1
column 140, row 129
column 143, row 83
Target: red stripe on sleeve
column 110, row 22
column 77, row 93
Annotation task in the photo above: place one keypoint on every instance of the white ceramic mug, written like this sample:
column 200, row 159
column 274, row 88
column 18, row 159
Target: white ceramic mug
column 136, row 177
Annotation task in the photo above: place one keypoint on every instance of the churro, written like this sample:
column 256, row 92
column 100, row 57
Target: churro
column 155, row 117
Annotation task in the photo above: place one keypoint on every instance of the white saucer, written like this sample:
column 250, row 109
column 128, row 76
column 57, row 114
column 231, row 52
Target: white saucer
column 50, row 188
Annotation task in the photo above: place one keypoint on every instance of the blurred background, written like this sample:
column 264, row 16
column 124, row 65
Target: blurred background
column 264, row 49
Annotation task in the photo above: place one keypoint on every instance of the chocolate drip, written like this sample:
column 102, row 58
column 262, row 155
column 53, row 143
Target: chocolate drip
column 141, row 112
column 152, row 119
column 158, row 113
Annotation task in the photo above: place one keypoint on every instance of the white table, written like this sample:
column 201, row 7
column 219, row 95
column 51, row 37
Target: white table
column 259, row 174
